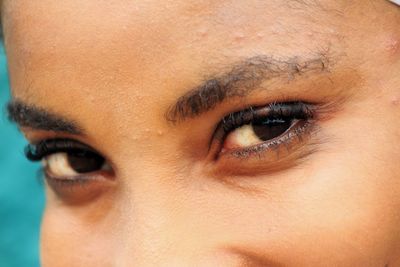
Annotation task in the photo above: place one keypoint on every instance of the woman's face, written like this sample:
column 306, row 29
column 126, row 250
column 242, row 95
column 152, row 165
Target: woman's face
column 211, row 133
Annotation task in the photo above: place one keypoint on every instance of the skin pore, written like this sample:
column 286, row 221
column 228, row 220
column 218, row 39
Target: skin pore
column 169, row 100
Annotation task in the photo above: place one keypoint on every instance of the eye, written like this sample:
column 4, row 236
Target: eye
column 69, row 165
column 75, row 171
column 257, row 130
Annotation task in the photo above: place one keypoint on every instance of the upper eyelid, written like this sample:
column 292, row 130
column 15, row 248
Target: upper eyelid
column 273, row 109
column 36, row 152
column 79, row 145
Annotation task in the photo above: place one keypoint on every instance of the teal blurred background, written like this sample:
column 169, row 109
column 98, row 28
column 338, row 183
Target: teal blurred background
column 21, row 192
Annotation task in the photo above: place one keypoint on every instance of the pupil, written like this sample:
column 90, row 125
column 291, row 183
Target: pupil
column 84, row 162
column 271, row 128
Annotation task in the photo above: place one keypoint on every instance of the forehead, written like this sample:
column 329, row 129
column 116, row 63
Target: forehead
column 139, row 16
column 160, row 26
column 108, row 40
column 129, row 61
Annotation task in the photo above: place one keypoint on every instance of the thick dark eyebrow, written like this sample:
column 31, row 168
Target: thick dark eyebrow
column 26, row 115
column 239, row 81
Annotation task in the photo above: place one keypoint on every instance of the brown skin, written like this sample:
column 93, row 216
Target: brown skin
column 116, row 67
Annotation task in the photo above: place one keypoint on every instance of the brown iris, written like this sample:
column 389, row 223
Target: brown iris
column 271, row 128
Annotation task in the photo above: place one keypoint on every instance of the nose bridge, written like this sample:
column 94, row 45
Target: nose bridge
column 157, row 228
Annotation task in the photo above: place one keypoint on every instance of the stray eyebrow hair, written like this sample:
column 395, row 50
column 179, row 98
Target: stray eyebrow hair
column 30, row 116
column 242, row 79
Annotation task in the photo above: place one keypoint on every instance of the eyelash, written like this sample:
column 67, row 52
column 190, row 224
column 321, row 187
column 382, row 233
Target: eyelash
column 301, row 111
column 37, row 152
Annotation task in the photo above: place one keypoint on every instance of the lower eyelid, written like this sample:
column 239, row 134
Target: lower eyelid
column 80, row 189
column 267, row 157
column 83, row 177
column 298, row 129
column 67, row 181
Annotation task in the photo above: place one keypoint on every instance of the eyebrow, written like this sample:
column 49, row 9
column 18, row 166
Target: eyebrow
column 239, row 81
column 242, row 79
column 26, row 115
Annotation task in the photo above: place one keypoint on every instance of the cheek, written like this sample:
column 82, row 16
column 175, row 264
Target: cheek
column 338, row 208
column 328, row 212
column 67, row 241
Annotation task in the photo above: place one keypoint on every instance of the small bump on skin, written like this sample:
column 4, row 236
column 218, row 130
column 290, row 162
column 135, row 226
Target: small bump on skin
column 332, row 31
column 392, row 46
column 160, row 133
column 260, row 35
column 239, row 37
column 396, row 101
column 203, row 32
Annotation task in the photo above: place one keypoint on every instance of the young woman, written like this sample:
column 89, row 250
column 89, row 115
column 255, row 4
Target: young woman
column 211, row 133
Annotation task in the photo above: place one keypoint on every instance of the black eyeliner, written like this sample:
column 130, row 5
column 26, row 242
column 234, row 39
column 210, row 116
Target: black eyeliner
column 291, row 110
column 36, row 152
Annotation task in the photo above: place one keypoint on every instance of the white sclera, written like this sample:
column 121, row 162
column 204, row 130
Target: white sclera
column 58, row 165
column 241, row 137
